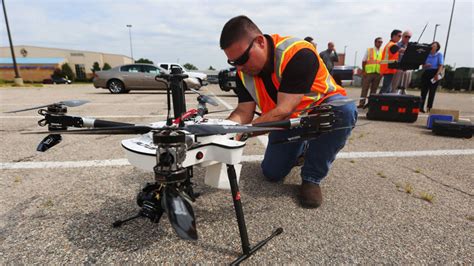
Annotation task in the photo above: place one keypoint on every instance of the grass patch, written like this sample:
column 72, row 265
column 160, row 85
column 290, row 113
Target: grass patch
column 17, row 179
column 408, row 188
column 418, row 171
column 352, row 161
column 427, row 197
column 381, row 175
column 47, row 204
column 470, row 218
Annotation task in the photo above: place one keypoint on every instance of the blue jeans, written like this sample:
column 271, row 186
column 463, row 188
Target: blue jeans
column 320, row 152
column 387, row 83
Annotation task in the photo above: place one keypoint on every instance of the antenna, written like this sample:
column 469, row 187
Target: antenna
column 422, row 32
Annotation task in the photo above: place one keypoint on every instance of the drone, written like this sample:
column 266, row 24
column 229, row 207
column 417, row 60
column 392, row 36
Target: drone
column 170, row 149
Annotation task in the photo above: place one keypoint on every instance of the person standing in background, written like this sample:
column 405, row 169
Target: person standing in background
column 402, row 78
column 430, row 79
column 329, row 56
column 390, row 55
column 371, row 70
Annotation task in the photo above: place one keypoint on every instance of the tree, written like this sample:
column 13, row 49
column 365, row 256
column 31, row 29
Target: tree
column 95, row 67
column 211, row 68
column 57, row 74
column 144, row 61
column 67, row 72
column 190, row 66
column 106, row 66
column 448, row 68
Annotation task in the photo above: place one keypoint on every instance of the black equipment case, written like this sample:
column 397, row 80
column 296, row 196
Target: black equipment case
column 458, row 129
column 393, row 107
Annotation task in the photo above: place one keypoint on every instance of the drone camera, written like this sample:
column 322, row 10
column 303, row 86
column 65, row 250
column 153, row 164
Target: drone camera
column 170, row 154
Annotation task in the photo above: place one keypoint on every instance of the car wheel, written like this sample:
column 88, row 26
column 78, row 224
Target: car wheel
column 200, row 81
column 116, row 86
column 185, row 86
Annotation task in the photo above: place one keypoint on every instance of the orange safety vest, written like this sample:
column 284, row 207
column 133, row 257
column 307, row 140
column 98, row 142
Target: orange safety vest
column 285, row 48
column 388, row 58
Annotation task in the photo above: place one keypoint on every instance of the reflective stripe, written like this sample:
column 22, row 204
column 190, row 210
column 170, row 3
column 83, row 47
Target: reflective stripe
column 372, row 64
column 329, row 86
column 249, row 83
column 280, row 50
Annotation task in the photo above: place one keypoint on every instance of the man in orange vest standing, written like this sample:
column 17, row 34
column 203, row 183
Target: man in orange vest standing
column 282, row 75
column 371, row 70
column 389, row 58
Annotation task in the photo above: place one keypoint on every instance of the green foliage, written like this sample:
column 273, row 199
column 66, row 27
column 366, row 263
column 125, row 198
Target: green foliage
column 106, row 66
column 427, row 197
column 448, row 68
column 95, row 67
column 67, row 72
column 190, row 66
column 144, row 61
column 211, row 68
column 57, row 74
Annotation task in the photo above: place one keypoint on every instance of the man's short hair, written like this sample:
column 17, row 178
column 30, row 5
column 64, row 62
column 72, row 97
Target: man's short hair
column 308, row 39
column 237, row 28
column 395, row 32
column 378, row 38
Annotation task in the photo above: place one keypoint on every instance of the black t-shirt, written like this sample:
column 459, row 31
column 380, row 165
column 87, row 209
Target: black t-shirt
column 297, row 77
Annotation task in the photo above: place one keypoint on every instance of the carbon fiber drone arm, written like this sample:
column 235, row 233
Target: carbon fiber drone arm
column 65, row 121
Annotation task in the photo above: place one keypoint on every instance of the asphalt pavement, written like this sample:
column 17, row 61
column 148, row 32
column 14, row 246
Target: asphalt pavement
column 410, row 205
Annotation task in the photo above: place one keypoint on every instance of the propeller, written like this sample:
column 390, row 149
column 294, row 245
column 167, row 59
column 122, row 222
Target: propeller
column 205, row 98
column 220, row 111
column 335, row 103
column 198, row 130
column 69, row 103
column 180, row 213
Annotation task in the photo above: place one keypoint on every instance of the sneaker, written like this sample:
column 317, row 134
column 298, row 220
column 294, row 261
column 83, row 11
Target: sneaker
column 310, row 195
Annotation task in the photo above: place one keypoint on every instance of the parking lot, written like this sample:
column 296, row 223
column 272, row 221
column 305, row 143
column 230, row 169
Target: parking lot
column 397, row 194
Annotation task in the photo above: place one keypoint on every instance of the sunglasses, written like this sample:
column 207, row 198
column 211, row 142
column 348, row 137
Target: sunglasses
column 407, row 37
column 243, row 58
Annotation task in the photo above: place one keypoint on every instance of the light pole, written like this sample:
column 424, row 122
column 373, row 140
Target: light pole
column 449, row 29
column 436, row 27
column 18, row 79
column 343, row 63
column 130, row 34
column 355, row 60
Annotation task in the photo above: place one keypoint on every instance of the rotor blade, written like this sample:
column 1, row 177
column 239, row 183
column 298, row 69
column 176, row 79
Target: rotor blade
column 48, row 142
column 205, row 98
column 313, row 135
column 340, row 102
column 124, row 130
column 69, row 103
column 220, row 111
column 209, row 100
column 335, row 103
column 73, row 103
column 200, row 130
column 180, row 214
column 27, row 109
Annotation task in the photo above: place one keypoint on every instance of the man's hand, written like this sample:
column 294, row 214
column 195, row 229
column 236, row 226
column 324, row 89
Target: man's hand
column 287, row 103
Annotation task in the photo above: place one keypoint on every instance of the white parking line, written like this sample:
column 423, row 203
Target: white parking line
column 245, row 158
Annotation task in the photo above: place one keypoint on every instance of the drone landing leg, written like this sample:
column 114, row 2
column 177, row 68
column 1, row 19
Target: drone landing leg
column 246, row 249
column 119, row 223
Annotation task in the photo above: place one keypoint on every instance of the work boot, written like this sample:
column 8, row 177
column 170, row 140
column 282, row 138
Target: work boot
column 310, row 195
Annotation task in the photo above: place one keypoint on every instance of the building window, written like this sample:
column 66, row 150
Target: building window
column 80, row 71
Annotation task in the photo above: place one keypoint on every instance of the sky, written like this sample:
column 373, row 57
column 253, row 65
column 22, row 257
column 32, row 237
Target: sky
column 189, row 31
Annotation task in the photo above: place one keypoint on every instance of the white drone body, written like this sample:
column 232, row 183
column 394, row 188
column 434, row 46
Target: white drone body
column 211, row 152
